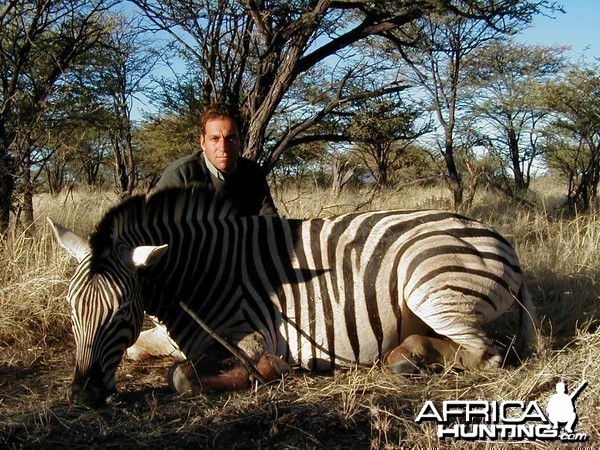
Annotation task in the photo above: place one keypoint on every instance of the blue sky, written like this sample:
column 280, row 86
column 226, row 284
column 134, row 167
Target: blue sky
column 578, row 28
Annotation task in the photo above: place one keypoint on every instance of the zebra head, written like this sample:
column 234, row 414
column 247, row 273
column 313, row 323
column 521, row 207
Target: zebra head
column 106, row 310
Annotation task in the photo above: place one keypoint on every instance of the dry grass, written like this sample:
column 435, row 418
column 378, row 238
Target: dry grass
column 363, row 408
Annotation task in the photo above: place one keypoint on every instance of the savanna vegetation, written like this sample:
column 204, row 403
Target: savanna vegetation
column 360, row 408
column 349, row 105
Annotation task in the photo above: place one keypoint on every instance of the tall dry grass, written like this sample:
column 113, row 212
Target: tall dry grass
column 364, row 407
column 34, row 275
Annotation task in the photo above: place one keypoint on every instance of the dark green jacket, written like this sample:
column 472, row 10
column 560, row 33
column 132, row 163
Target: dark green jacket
column 247, row 187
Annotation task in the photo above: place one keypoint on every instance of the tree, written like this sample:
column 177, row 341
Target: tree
column 253, row 53
column 40, row 40
column 506, row 79
column 435, row 48
column 116, row 73
column 301, row 162
column 437, row 64
column 127, row 62
column 383, row 129
column 173, row 131
column 70, row 125
column 573, row 138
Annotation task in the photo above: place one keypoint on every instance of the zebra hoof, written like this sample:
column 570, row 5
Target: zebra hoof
column 491, row 363
column 403, row 367
column 180, row 378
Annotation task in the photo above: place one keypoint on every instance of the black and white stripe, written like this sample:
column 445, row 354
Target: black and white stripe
column 323, row 292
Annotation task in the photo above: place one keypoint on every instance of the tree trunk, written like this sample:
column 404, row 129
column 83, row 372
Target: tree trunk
column 124, row 165
column 55, row 177
column 130, row 163
column 382, row 176
column 454, row 179
column 7, row 185
column 342, row 174
column 27, row 206
column 513, row 143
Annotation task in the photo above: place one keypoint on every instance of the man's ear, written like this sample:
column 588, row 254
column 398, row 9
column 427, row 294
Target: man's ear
column 75, row 245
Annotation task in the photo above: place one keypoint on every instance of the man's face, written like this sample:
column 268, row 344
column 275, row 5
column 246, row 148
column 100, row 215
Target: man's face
column 221, row 143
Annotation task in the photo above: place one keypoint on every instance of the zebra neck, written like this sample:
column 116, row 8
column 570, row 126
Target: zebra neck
column 206, row 271
column 205, row 263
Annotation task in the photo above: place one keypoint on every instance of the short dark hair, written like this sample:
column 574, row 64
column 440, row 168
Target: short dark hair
column 220, row 110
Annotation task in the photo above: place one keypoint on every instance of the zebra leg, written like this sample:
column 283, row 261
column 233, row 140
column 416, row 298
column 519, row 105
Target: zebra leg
column 455, row 319
column 418, row 351
column 218, row 370
column 272, row 367
column 223, row 375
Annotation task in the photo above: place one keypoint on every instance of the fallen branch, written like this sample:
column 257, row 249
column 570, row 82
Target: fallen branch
column 248, row 365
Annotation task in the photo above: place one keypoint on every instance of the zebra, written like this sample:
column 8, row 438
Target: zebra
column 407, row 288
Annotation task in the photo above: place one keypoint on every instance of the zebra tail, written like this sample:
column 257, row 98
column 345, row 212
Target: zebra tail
column 528, row 338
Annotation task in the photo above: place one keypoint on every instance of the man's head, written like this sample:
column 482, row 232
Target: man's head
column 220, row 137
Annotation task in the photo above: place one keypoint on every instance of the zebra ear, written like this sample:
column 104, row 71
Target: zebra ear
column 75, row 245
column 145, row 255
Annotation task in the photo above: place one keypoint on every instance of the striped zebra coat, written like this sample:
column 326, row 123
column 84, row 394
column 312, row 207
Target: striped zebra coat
column 409, row 288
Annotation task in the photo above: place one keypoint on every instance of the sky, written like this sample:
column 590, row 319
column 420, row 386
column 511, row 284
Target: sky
column 578, row 28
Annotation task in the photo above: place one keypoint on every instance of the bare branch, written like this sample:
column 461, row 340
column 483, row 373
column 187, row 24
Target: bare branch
column 369, row 26
column 243, row 359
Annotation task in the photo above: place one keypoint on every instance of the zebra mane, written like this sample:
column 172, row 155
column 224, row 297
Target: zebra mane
column 140, row 210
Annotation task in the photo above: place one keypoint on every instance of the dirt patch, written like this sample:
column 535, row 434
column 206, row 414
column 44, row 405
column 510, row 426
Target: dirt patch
column 353, row 409
column 35, row 414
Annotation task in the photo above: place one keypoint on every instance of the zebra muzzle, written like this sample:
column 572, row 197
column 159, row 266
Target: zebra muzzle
column 88, row 394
